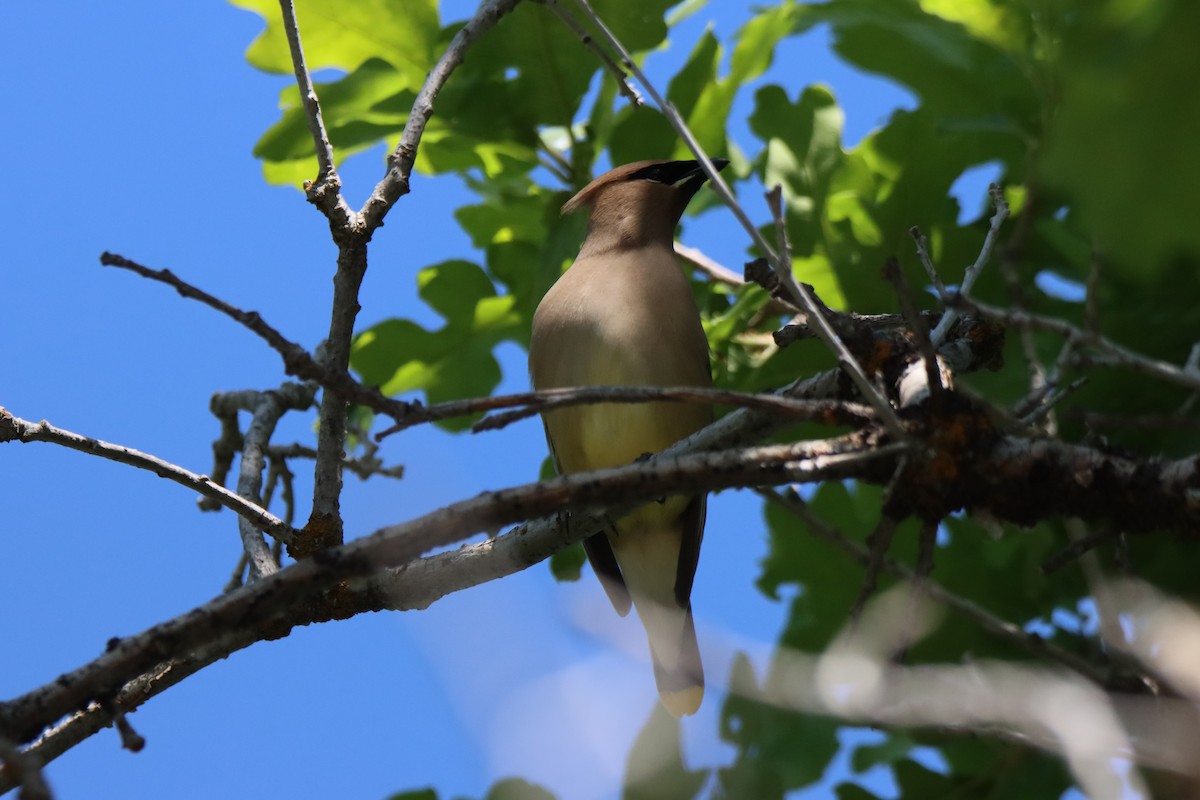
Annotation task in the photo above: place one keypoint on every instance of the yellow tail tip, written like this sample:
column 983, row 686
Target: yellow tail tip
column 683, row 703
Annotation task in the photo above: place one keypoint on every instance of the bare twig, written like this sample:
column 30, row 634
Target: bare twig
column 916, row 323
column 325, row 192
column 1052, row 400
column 16, row 429
column 268, row 408
column 1091, row 299
column 623, row 85
column 400, row 163
column 532, row 403
column 296, row 360
column 973, row 271
column 131, row 740
column 804, row 299
column 926, row 260
column 878, row 543
column 1119, row 354
column 719, row 273
column 224, row 447
column 880, row 539
column 1145, row 422
column 1083, row 543
column 364, row 468
column 22, row 768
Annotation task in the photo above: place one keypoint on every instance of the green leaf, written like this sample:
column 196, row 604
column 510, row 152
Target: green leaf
column 344, row 35
column 451, row 363
column 955, row 71
column 567, row 564
column 1123, row 142
column 655, row 769
column 517, row 789
column 889, row 751
column 802, row 154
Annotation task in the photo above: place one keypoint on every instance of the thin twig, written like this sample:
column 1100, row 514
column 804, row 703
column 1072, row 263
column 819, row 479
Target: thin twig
column 804, row 299
column 1091, row 299
column 1079, row 545
column 927, row 260
column 916, row 323
column 563, row 166
column 834, row 412
column 623, row 85
column 224, row 447
column 400, row 163
column 296, row 360
column 880, row 540
column 22, row 768
column 552, row 167
column 1010, row 256
column 269, row 407
column 973, row 271
column 1143, row 422
column 878, row 543
column 1119, row 354
column 17, row 429
column 362, row 467
column 1054, row 398
column 325, row 192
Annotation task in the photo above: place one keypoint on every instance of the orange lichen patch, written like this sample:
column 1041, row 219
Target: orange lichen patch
column 877, row 357
column 321, row 533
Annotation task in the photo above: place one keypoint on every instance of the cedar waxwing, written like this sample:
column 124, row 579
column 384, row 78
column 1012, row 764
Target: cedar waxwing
column 623, row 315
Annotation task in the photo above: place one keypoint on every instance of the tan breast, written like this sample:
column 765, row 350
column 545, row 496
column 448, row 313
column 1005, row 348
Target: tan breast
column 620, row 318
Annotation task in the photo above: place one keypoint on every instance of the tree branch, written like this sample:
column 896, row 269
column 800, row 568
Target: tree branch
column 17, row 429
column 270, row 607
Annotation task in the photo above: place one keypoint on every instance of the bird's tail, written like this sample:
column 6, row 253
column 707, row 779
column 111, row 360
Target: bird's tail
column 678, row 671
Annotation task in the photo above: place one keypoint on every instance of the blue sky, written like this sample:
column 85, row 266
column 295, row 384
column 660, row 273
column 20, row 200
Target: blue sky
column 129, row 127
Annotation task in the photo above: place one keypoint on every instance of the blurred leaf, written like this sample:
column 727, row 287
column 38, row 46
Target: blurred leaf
column 778, row 750
column 958, row 74
column 1124, row 135
column 415, row 794
column 889, row 751
column 655, row 769
column 852, row 791
column 517, row 789
column 567, row 564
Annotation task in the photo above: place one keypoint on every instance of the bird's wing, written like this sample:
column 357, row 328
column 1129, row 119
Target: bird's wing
column 692, row 524
column 600, row 555
column 604, row 562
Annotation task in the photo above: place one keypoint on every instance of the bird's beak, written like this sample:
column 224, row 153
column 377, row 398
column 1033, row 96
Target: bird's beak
column 693, row 179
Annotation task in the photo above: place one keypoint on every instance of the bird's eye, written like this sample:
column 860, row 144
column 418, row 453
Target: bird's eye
column 654, row 174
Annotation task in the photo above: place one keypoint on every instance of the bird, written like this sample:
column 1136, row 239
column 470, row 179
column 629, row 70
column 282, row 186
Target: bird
column 623, row 314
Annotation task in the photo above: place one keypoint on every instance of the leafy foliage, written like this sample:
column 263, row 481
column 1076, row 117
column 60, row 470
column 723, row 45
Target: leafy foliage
column 1085, row 108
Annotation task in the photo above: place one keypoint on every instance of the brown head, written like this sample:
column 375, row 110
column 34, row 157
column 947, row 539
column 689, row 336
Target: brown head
column 638, row 204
